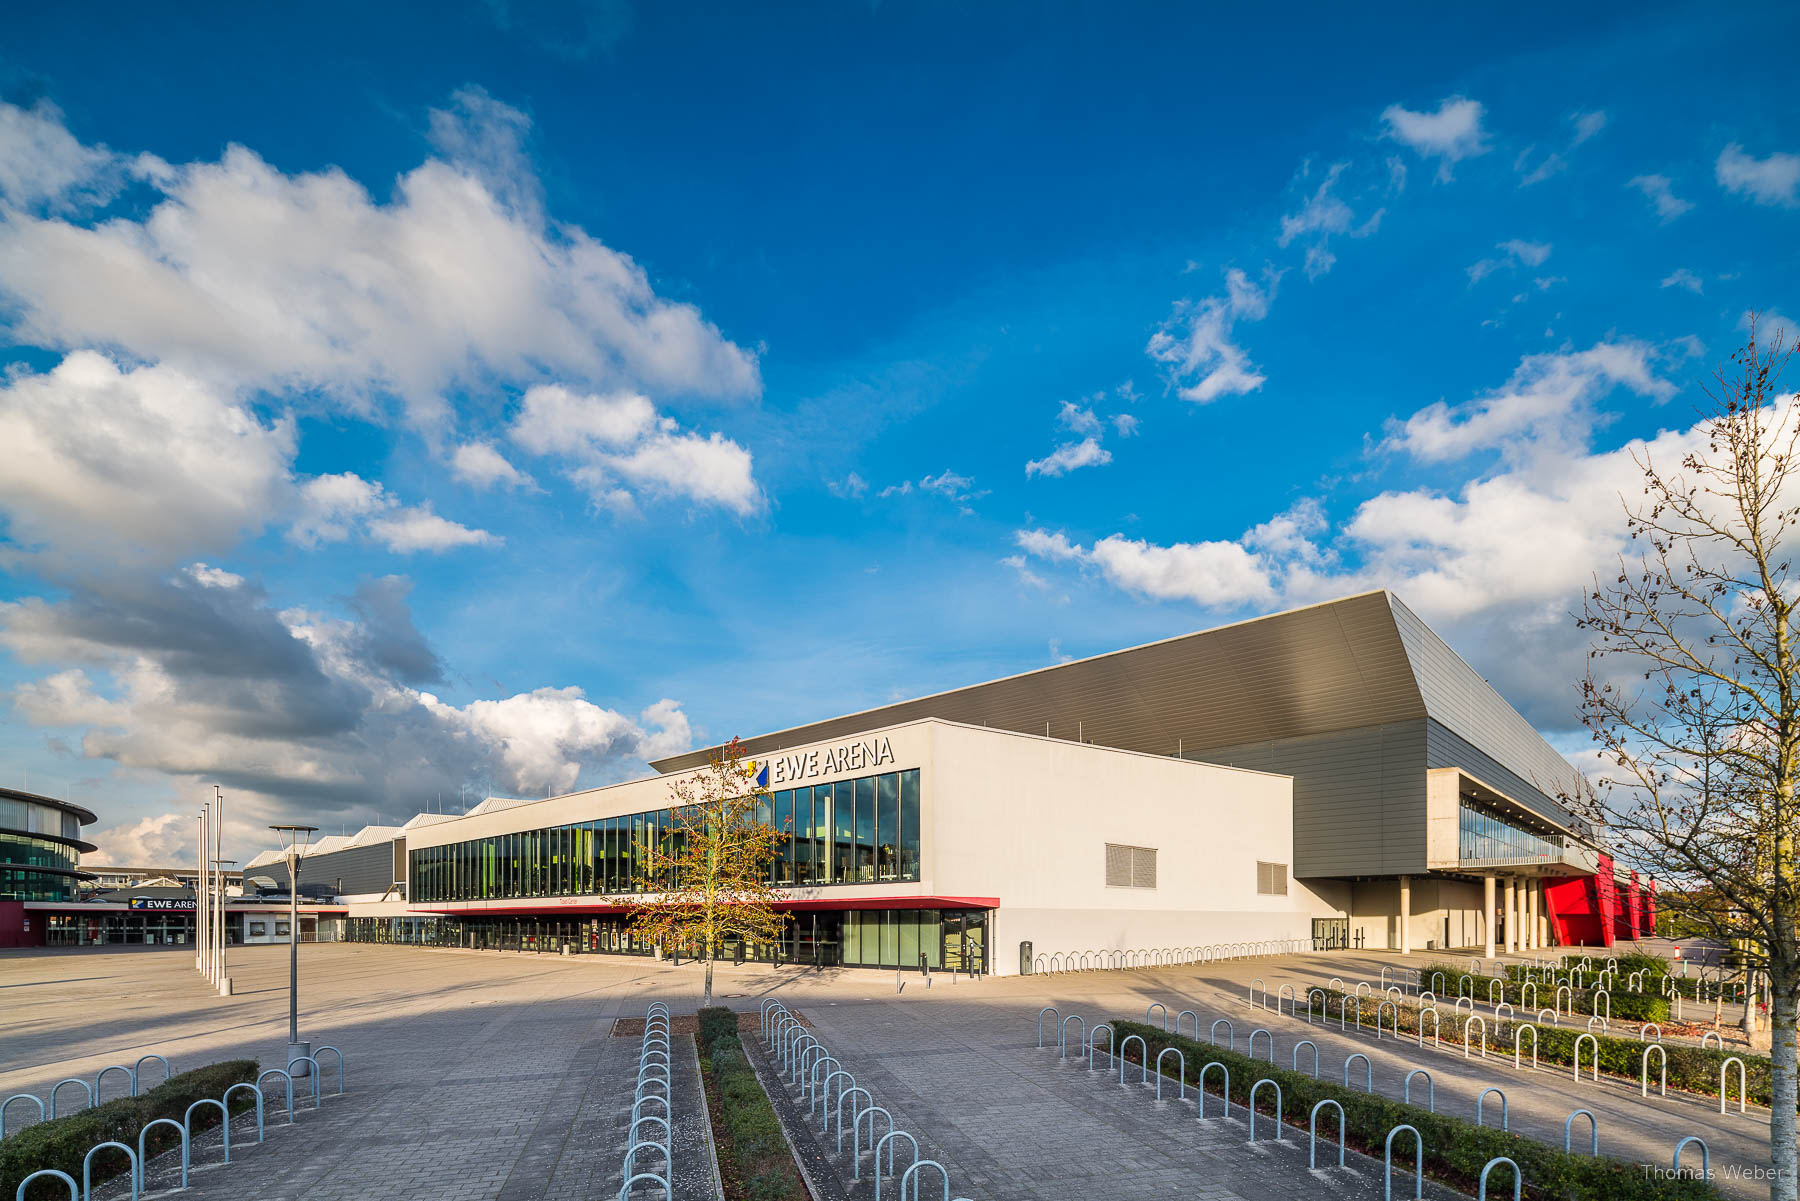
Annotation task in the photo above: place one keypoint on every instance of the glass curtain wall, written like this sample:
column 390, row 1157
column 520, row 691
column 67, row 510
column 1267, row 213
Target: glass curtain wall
column 1486, row 835
column 863, row 831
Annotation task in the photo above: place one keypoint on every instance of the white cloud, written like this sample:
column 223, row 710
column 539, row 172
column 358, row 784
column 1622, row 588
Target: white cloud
column 950, row 485
column 1070, row 456
column 1196, row 341
column 1659, row 190
column 248, row 275
column 164, row 840
column 1683, row 278
column 1045, row 545
column 1552, row 164
column 617, row 444
column 851, row 487
column 42, row 163
column 542, row 738
column 479, row 465
column 1517, row 252
column 1126, row 424
column 1081, row 421
column 1549, row 402
column 903, row 488
column 337, row 507
column 1450, row 134
column 1774, row 180
column 147, row 463
column 1028, row 577
column 1324, row 215
column 1587, row 125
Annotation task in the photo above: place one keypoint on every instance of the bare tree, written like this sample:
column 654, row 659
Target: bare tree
column 1702, row 753
column 707, row 881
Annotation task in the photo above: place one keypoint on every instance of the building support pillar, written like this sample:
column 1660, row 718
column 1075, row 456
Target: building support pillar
column 1487, row 913
column 1511, row 933
column 1406, row 915
column 1543, row 915
column 1531, row 910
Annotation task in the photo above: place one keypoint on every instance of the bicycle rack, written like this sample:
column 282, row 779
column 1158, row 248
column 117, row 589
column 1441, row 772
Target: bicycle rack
column 73, row 1080
column 62, row 1176
column 187, row 1120
column 1430, row 1090
column 138, row 1067
column 1312, row 1134
column 1705, row 1156
column 856, row 1136
column 1161, row 1006
column 1663, row 1059
column 1386, row 1005
column 1470, row 1021
column 1742, row 1087
column 875, row 1162
column 1518, row 1177
column 1143, row 1064
column 1387, row 1174
column 87, row 1163
column 183, row 1130
column 1213, row 1036
column 1483, row 1097
column 1180, row 1072
column 130, row 1078
column 850, row 1093
column 1062, row 1038
column 1188, row 1013
column 1111, row 1049
column 289, row 1080
column 1040, row 1022
column 1593, row 1128
column 654, row 1070
column 1588, row 1038
column 1252, row 1107
column 1224, row 1091
column 1271, row 1038
column 33, row 1098
column 1307, row 1042
column 1368, row 1070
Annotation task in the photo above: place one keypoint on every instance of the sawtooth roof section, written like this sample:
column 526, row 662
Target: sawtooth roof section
column 1331, row 666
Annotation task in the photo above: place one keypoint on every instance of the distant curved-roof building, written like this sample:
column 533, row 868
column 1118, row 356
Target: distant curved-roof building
column 41, row 847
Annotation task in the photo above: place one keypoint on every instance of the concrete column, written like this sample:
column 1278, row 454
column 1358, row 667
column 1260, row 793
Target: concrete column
column 1406, row 915
column 1517, row 941
column 1543, row 916
column 1487, row 913
column 1531, row 912
column 1512, row 923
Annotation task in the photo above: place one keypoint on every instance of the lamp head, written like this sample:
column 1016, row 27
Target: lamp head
column 294, row 839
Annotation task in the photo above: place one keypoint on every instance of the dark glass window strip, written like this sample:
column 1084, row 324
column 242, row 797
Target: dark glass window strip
column 863, row 831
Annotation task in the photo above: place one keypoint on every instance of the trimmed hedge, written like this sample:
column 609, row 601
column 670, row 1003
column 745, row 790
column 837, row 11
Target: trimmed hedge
column 63, row 1142
column 1627, row 1006
column 1455, row 1150
column 754, row 1160
column 1690, row 1067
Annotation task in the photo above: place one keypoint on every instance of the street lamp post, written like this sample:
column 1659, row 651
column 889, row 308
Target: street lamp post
column 219, row 870
column 200, row 898
column 293, row 846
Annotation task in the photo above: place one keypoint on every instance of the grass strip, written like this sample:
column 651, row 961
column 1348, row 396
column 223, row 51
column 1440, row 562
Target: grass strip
column 755, row 1162
column 1455, row 1150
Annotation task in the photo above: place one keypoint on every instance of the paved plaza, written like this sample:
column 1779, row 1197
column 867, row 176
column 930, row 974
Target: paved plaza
column 484, row 1075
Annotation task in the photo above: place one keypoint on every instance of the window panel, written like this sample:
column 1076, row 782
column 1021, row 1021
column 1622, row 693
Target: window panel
column 843, row 824
column 909, row 825
column 887, row 826
column 865, row 829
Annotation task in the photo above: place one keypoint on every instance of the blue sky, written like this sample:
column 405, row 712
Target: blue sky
column 494, row 396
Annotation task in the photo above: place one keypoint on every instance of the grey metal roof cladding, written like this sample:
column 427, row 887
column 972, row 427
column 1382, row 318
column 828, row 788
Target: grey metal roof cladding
column 1358, row 661
column 1330, row 666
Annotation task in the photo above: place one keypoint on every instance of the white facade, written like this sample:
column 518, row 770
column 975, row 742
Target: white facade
column 1019, row 825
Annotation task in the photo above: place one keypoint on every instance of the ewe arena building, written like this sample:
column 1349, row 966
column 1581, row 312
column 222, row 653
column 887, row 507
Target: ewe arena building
column 1335, row 775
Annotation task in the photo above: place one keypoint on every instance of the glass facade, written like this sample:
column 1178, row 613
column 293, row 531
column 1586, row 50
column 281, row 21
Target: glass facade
column 1485, row 836
column 863, row 831
column 953, row 939
column 36, row 869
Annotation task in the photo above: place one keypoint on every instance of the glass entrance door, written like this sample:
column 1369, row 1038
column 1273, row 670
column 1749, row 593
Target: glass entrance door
column 965, row 940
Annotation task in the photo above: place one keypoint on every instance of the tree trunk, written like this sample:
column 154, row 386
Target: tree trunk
column 706, row 1002
column 1782, row 1092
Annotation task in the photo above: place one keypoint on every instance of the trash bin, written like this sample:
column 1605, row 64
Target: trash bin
column 1025, row 958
